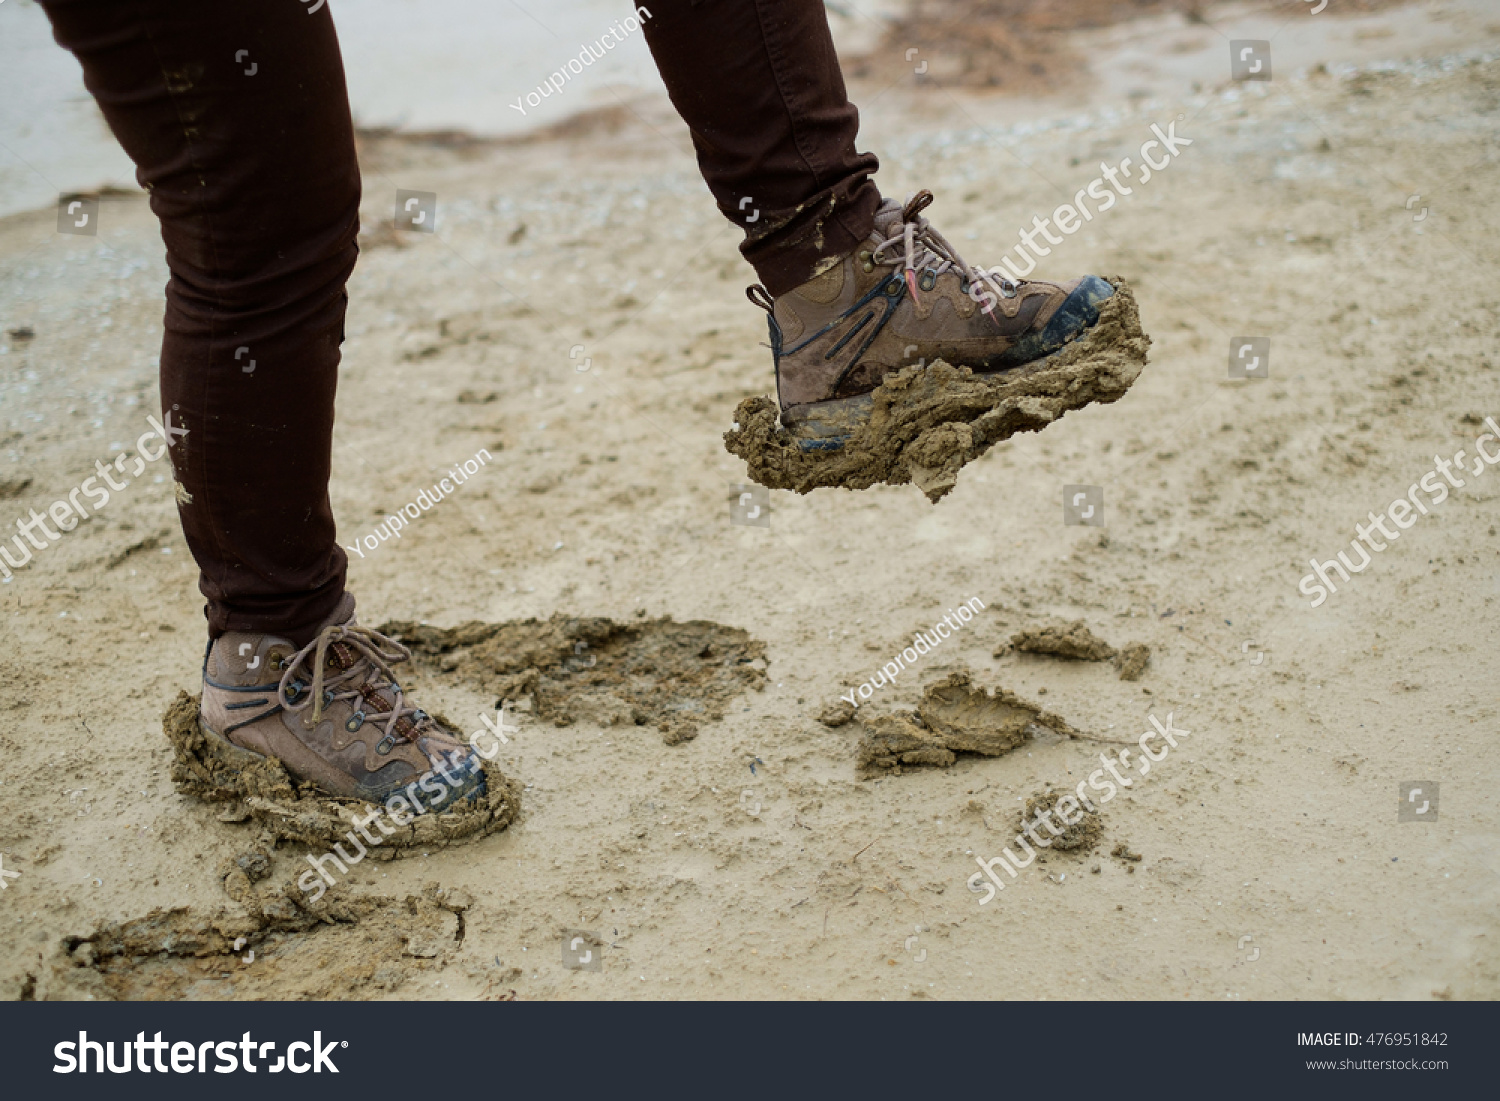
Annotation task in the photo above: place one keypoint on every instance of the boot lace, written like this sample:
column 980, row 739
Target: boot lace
column 370, row 655
column 919, row 245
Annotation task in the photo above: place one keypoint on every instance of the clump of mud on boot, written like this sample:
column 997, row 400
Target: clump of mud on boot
column 259, row 789
column 1080, row 835
column 954, row 717
column 928, row 422
column 657, row 673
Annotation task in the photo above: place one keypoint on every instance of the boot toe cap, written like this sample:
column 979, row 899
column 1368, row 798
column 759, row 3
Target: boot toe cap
column 452, row 778
column 1078, row 311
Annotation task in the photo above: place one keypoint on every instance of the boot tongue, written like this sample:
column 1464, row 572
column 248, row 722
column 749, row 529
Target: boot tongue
column 888, row 219
column 379, row 698
column 342, row 656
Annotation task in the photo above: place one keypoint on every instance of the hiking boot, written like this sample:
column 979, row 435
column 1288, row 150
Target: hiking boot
column 906, row 297
column 333, row 714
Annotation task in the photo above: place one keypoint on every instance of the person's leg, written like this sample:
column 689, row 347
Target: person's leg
column 759, row 85
column 237, row 118
column 238, row 121
column 852, row 283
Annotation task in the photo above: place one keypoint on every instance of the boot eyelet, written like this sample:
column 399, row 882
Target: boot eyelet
column 864, row 254
column 385, row 745
column 868, row 266
column 896, row 288
column 355, row 721
column 928, row 280
column 292, row 691
column 327, row 697
column 1007, row 290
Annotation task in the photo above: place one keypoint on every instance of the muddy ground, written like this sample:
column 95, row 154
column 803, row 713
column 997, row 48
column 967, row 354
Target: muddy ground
column 580, row 313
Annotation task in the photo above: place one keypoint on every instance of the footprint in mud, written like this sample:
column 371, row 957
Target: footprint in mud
column 929, row 421
column 659, row 673
column 953, row 717
column 275, row 946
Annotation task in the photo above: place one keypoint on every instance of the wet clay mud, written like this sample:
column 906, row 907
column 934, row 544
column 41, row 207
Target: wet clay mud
column 259, row 790
column 1076, row 642
column 954, row 717
column 273, row 943
column 658, row 673
column 1080, row 836
column 929, row 421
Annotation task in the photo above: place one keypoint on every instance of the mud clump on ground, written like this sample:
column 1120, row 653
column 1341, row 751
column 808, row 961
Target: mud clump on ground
column 1012, row 44
column 259, row 789
column 927, row 422
column 1072, row 641
column 274, row 944
column 659, row 673
column 1127, row 858
column 953, row 717
column 837, row 714
column 1132, row 660
column 1076, row 642
column 1080, row 835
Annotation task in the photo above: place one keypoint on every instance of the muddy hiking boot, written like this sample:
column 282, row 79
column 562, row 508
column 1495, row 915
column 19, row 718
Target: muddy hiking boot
column 906, row 297
column 333, row 714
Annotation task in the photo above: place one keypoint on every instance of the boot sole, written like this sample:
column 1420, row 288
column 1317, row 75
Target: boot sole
column 472, row 786
column 828, row 425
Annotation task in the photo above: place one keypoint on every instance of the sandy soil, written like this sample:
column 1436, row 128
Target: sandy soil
column 1261, row 858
